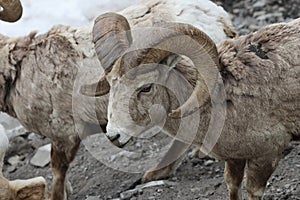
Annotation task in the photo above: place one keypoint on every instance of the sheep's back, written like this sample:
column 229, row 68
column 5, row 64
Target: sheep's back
column 261, row 73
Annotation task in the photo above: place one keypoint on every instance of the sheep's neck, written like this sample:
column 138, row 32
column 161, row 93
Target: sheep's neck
column 197, row 128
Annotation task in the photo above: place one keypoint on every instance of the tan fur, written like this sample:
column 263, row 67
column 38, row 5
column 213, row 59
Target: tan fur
column 37, row 75
column 216, row 23
column 260, row 73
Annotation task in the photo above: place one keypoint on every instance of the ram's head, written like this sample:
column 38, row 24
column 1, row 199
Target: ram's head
column 154, row 75
column 10, row 10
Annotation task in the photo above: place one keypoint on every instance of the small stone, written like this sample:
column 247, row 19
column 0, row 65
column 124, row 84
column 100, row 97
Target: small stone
column 42, row 156
column 208, row 162
column 259, row 13
column 259, row 5
column 195, row 190
column 17, row 131
column 92, row 198
column 130, row 193
column 159, row 190
column 8, row 122
column 13, row 161
column 33, row 136
column 278, row 190
column 11, row 169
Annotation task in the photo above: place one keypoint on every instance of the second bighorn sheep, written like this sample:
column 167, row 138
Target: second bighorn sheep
column 38, row 74
column 261, row 77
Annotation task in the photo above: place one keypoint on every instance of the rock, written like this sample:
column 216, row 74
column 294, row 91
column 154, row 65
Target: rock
column 259, row 13
column 15, row 132
column 92, row 198
column 259, row 5
column 11, row 126
column 37, row 141
column 129, row 193
column 42, row 156
column 208, row 162
column 8, row 122
column 11, row 169
column 13, row 161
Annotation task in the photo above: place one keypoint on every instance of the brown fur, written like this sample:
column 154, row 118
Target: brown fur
column 260, row 73
column 38, row 77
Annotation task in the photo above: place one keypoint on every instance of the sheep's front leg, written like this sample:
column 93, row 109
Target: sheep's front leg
column 62, row 154
column 233, row 174
column 168, row 164
column 258, row 173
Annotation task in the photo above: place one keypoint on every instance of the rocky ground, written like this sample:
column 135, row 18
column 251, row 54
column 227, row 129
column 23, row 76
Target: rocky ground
column 195, row 178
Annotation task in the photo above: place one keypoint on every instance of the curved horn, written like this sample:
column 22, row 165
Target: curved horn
column 200, row 95
column 174, row 40
column 112, row 37
column 12, row 10
column 97, row 89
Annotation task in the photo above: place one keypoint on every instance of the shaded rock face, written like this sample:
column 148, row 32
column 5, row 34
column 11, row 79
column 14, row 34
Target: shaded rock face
column 8, row 122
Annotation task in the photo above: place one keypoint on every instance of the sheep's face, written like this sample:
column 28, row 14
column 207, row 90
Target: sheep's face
column 138, row 102
column 142, row 98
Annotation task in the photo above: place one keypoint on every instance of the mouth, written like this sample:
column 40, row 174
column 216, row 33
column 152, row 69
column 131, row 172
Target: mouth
column 122, row 139
column 119, row 140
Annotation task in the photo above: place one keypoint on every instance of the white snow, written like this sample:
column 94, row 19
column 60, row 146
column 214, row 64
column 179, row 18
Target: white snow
column 41, row 15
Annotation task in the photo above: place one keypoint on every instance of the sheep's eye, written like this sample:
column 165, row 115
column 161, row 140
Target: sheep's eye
column 146, row 88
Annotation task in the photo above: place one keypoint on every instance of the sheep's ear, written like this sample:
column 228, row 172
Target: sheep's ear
column 112, row 37
column 33, row 189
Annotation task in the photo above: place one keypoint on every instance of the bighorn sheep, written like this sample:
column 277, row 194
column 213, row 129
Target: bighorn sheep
column 260, row 73
column 38, row 75
column 34, row 189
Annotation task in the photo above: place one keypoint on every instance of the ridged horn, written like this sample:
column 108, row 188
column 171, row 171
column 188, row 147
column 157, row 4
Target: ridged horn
column 175, row 40
column 112, row 37
column 200, row 94
column 11, row 10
